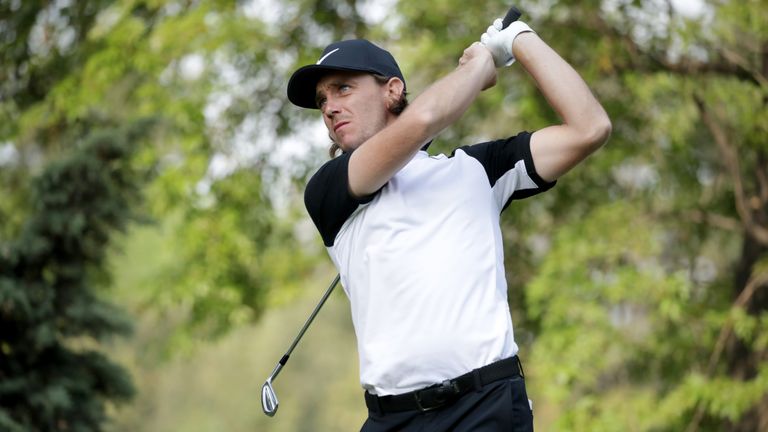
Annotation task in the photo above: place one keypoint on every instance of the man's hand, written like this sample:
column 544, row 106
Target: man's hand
column 499, row 42
column 477, row 53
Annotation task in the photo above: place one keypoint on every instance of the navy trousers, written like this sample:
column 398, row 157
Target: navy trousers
column 499, row 406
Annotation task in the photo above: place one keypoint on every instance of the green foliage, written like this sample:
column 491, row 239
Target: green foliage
column 54, row 378
column 130, row 60
column 230, row 255
column 636, row 284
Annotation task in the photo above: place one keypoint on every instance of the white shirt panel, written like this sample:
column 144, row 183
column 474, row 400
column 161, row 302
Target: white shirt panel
column 422, row 265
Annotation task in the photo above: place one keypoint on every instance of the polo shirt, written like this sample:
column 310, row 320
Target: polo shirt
column 422, row 260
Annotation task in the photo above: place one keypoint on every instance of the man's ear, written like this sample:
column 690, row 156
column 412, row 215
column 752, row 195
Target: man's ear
column 394, row 88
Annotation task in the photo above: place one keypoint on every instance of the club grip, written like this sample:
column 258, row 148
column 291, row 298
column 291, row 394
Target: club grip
column 513, row 15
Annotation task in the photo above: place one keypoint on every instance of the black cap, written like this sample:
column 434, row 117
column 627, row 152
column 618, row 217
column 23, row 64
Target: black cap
column 349, row 55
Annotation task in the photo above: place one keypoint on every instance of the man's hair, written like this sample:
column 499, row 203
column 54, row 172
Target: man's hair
column 397, row 108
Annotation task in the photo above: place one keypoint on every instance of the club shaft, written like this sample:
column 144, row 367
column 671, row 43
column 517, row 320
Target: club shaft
column 512, row 15
column 303, row 330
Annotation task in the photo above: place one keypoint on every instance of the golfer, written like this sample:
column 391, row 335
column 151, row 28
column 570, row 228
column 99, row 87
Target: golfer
column 416, row 238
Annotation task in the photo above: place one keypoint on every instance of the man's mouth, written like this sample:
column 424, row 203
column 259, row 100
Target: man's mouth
column 339, row 125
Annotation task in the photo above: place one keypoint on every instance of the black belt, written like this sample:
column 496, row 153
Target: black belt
column 438, row 395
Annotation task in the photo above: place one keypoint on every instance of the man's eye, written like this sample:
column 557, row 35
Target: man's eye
column 344, row 87
column 320, row 103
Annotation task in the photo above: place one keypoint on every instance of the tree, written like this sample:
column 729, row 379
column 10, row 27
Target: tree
column 195, row 69
column 76, row 81
column 53, row 376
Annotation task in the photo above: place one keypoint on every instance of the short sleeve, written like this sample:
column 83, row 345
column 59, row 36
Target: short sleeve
column 509, row 166
column 328, row 200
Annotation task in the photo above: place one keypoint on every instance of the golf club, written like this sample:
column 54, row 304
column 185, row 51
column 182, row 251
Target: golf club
column 513, row 14
column 269, row 402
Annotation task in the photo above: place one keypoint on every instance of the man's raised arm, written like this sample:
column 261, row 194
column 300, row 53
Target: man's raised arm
column 380, row 157
column 585, row 127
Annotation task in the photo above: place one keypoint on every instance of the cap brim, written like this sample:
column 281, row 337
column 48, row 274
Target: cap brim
column 302, row 87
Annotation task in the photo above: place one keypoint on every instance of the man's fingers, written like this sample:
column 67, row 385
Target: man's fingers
column 498, row 24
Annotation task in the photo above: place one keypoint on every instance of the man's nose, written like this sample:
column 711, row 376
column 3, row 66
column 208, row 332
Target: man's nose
column 331, row 108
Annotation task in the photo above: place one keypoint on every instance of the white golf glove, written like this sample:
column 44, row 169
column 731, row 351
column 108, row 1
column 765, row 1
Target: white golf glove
column 499, row 41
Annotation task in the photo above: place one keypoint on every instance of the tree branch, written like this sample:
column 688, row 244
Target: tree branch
column 762, row 180
column 737, row 59
column 715, row 220
column 756, row 281
column 731, row 161
column 728, row 64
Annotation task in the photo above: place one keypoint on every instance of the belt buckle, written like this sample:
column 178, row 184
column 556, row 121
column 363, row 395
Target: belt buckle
column 443, row 392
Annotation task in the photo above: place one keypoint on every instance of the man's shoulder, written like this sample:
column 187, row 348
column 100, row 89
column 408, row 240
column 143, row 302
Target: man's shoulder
column 333, row 170
column 331, row 164
column 493, row 147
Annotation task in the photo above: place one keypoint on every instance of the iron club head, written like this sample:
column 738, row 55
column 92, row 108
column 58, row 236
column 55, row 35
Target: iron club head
column 269, row 402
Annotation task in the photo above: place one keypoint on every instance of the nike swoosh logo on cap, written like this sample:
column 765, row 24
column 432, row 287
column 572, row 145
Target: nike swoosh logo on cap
column 326, row 56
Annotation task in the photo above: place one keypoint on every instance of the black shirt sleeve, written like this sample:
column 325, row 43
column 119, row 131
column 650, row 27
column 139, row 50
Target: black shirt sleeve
column 328, row 199
column 500, row 156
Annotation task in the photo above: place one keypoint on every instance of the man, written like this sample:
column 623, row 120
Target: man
column 416, row 238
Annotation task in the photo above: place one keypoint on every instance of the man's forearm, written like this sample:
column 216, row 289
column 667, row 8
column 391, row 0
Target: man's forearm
column 562, row 86
column 447, row 99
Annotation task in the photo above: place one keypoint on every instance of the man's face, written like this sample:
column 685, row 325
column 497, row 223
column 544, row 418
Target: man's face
column 354, row 107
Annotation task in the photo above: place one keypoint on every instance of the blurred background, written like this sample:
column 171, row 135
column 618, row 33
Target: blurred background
column 156, row 259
